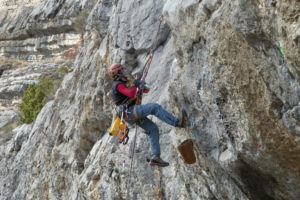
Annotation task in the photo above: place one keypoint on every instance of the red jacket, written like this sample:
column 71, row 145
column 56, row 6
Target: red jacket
column 130, row 92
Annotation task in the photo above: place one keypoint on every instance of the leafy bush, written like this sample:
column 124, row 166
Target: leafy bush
column 36, row 95
column 64, row 69
column 33, row 101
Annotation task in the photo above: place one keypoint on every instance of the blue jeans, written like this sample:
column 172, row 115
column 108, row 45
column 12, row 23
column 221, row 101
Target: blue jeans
column 149, row 126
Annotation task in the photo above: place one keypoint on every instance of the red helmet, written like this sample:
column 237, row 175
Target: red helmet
column 114, row 69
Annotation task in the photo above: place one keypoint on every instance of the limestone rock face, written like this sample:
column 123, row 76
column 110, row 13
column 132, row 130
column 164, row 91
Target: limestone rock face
column 38, row 30
column 233, row 65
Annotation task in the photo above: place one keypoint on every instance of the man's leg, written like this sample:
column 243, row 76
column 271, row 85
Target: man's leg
column 152, row 132
column 156, row 110
column 153, row 135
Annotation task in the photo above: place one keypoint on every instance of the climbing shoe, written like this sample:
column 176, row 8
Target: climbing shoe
column 156, row 160
column 183, row 121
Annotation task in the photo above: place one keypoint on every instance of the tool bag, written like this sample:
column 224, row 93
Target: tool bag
column 119, row 127
column 115, row 126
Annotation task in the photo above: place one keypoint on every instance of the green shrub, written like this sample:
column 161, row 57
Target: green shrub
column 79, row 21
column 33, row 101
column 64, row 69
column 36, row 95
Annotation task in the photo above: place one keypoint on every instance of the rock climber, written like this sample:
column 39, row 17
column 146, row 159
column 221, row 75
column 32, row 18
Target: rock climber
column 123, row 97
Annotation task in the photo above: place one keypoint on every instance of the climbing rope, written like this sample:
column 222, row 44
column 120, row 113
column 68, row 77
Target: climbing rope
column 133, row 149
column 140, row 93
column 146, row 67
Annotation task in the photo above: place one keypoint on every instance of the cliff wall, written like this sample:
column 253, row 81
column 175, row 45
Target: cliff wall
column 233, row 65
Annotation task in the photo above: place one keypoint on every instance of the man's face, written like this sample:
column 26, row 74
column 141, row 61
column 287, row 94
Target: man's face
column 125, row 74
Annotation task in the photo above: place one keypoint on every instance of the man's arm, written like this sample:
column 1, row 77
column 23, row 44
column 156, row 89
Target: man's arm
column 130, row 92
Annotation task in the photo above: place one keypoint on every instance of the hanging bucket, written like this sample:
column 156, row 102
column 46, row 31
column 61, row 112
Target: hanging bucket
column 187, row 152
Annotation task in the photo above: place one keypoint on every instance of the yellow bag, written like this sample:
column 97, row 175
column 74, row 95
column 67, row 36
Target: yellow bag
column 118, row 127
column 115, row 127
column 122, row 126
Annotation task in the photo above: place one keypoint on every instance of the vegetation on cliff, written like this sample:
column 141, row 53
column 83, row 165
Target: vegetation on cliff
column 36, row 95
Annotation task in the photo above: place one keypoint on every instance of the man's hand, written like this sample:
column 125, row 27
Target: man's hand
column 137, row 82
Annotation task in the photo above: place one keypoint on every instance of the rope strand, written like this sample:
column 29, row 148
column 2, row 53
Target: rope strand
column 146, row 67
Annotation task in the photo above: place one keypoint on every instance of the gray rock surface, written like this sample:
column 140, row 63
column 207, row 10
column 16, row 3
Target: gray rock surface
column 15, row 80
column 233, row 65
column 38, row 30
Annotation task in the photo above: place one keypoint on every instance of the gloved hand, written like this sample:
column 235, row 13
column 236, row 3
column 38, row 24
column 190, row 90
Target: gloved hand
column 137, row 82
